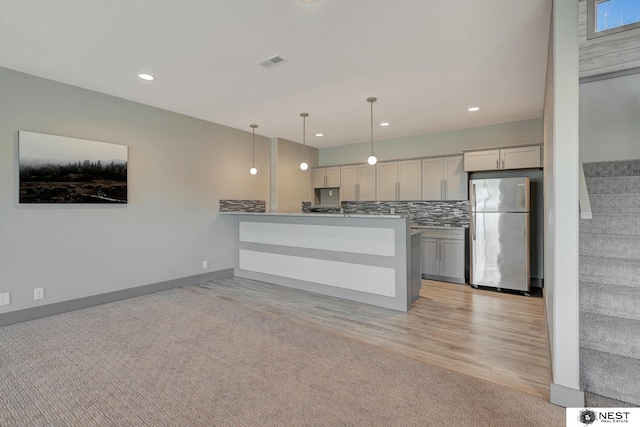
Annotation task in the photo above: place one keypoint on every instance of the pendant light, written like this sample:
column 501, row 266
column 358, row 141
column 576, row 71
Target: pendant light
column 253, row 169
column 304, row 165
column 372, row 160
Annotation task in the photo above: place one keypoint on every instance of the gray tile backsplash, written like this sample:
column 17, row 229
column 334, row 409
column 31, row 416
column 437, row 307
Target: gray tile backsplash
column 424, row 213
column 439, row 213
column 243, row 206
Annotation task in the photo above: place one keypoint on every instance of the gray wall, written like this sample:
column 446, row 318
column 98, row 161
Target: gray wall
column 437, row 144
column 293, row 184
column 179, row 167
column 609, row 119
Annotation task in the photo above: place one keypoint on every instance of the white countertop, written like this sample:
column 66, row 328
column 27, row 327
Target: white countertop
column 445, row 227
column 316, row 214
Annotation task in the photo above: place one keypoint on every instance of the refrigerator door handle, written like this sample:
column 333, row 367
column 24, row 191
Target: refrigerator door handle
column 473, row 221
column 473, row 226
column 473, row 194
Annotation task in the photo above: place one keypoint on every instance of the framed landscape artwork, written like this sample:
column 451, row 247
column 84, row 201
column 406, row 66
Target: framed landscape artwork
column 57, row 169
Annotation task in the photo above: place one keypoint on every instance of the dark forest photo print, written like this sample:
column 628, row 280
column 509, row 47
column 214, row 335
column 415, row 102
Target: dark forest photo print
column 57, row 169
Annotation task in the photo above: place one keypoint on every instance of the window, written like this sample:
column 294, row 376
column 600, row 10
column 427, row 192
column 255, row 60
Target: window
column 611, row 16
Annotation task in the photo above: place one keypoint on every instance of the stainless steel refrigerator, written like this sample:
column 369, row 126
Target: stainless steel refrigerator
column 499, row 227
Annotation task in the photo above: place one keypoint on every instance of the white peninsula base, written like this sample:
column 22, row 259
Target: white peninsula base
column 362, row 258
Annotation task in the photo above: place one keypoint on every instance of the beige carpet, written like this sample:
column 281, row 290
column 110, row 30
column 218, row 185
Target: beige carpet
column 186, row 357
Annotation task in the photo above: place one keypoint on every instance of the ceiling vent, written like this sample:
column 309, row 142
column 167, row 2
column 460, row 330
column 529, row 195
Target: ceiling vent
column 272, row 62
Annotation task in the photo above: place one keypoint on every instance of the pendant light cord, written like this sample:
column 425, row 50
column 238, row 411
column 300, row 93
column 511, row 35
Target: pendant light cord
column 372, row 126
column 304, row 138
column 253, row 145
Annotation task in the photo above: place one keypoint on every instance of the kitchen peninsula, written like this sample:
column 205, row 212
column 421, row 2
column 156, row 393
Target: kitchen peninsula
column 374, row 259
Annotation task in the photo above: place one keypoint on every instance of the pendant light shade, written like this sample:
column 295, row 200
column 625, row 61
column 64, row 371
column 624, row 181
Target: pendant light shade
column 304, row 165
column 372, row 160
column 253, row 169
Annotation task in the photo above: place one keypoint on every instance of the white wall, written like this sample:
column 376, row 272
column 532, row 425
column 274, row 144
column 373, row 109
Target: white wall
column 549, row 199
column 609, row 124
column 437, row 144
column 563, row 207
column 179, row 168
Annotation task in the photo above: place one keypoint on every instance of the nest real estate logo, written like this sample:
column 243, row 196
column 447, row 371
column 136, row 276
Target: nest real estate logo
column 603, row 416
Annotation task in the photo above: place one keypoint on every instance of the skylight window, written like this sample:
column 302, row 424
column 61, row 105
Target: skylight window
column 612, row 16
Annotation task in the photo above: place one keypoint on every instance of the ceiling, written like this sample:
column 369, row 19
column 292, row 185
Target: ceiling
column 426, row 61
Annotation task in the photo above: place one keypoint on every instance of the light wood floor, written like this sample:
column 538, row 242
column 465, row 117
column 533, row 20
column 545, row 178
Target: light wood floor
column 494, row 336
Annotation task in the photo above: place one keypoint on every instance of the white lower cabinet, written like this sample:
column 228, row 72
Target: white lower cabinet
column 443, row 254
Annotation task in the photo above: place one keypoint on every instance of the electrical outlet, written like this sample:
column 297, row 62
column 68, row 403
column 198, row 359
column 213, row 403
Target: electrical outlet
column 5, row 298
column 205, row 265
column 330, row 193
column 38, row 293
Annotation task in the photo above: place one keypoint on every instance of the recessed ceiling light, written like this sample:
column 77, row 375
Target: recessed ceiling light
column 319, row 134
column 144, row 76
column 474, row 108
column 384, row 124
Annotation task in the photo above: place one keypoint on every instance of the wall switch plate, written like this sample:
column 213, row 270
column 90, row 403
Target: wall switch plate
column 205, row 265
column 330, row 193
column 38, row 293
column 5, row 298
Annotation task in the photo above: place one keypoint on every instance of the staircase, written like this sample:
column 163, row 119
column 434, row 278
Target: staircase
column 610, row 282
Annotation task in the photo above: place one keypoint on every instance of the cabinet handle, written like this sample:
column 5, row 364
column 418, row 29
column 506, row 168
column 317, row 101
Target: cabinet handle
column 357, row 192
column 497, row 165
column 442, row 191
column 502, row 163
column 397, row 191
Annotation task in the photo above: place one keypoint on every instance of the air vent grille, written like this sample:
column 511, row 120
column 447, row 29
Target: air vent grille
column 272, row 62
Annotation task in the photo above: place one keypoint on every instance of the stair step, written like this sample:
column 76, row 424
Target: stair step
column 615, row 203
column 610, row 334
column 611, row 224
column 614, row 185
column 610, row 375
column 612, row 168
column 610, row 300
column 610, row 245
column 610, row 271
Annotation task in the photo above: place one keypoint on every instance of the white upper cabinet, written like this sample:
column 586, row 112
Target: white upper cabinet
column 482, row 160
column 387, row 181
column 409, row 180
column 326, row 177
column 432, row 176
column 521, row 157
column 399, row 180
column 357, row 183
column 349, row 183
column 443, row 178
column 456, row 179
column 366, row 183
column 506, row 158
